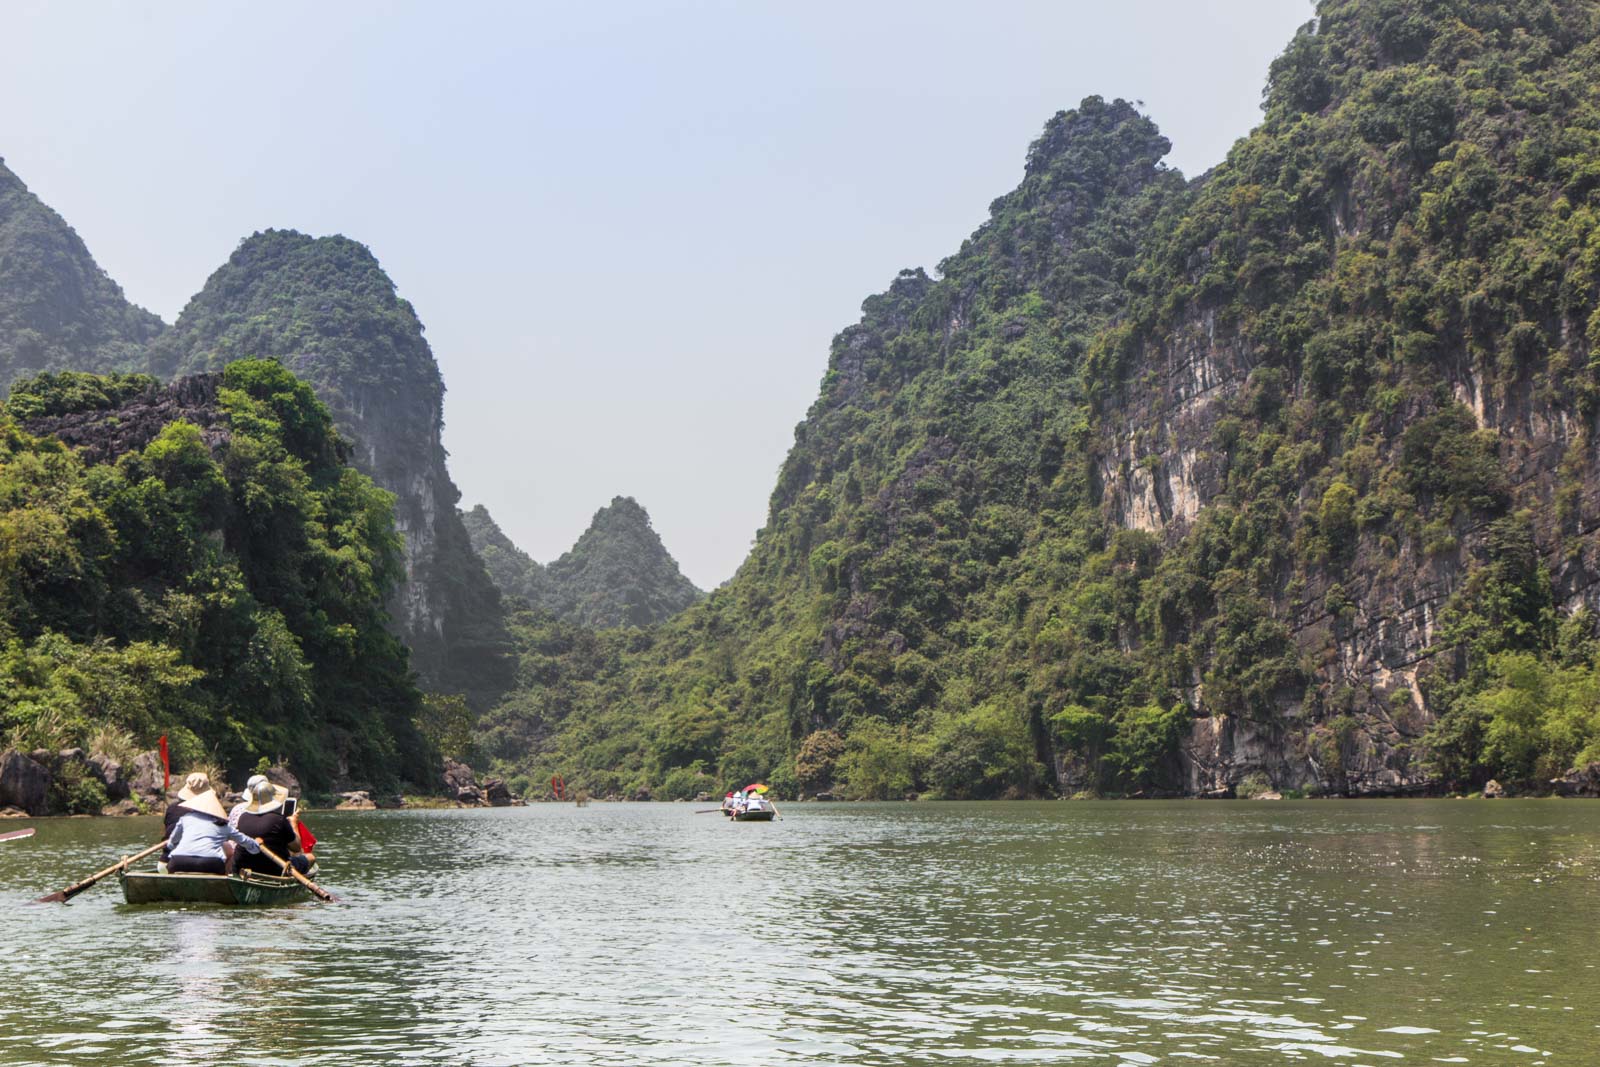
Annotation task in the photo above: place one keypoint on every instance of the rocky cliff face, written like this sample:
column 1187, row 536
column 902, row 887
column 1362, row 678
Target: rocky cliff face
column 131, row 417
column 325, row 308
column 1388, row 280
column 58, row 309
column 617, row 574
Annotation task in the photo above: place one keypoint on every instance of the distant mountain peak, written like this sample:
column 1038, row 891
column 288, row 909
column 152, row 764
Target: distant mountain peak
column 58, row 309
column 617, row 574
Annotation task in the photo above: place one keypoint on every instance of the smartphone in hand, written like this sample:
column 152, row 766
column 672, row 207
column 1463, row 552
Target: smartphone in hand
column 290, row 806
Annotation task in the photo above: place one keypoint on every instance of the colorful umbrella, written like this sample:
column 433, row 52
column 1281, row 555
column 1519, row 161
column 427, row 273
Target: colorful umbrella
column 756, row 788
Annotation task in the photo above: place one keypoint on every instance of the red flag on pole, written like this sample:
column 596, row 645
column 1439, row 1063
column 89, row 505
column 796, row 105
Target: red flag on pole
column 166, row 766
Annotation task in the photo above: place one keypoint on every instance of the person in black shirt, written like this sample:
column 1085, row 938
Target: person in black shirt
column 263, row 819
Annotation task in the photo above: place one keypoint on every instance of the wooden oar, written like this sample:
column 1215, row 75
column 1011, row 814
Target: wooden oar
column 316, row 890
column 702, row 811
column 17, row 835
column 73, row 890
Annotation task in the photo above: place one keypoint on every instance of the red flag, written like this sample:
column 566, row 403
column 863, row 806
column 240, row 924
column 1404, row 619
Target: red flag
column 166, row 766
column 308, row 841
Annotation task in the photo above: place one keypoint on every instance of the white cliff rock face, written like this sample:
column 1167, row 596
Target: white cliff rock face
column 1164, row 464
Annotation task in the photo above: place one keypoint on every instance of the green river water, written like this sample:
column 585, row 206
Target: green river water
column 1364, row 932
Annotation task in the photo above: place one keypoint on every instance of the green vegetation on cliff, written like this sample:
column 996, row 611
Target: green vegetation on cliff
column 326, row 309
column 220, row 578
column 1285, row 473
column 516, row 574
column 58, row 310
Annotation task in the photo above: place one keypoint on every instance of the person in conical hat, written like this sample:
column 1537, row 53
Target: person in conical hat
column 265, row 821
column 193, row 785
column 195, row 845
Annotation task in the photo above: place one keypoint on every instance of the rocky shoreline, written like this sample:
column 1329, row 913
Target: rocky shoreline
column 72, row 781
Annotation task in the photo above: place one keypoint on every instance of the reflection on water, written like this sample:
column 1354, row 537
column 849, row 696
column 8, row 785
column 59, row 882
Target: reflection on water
column 1119, row 933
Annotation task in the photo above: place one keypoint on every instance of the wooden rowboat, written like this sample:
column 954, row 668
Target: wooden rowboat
column 764, row 815
column 244, row 888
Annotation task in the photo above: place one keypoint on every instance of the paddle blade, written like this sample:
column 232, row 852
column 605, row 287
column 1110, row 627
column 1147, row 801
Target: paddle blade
column 54, row 898
column 17, row 835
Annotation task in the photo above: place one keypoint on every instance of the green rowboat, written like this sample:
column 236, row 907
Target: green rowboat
column 764, row 815
column 245, row 888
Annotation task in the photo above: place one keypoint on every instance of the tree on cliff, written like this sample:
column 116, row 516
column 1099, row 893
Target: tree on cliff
column 218, row 575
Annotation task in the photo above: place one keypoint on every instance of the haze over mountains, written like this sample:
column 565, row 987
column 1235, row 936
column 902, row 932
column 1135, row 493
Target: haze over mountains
column 326, row 310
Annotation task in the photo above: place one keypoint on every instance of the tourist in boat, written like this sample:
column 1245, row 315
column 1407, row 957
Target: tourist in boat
column 265, row 821
column 194, row 784
column 244, row 804
column 195, row 844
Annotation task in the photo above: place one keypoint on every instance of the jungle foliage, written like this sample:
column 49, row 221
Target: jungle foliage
column 231, row 598
column 948, row 597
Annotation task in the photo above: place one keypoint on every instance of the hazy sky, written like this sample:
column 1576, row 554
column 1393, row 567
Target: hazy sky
column 630, row 229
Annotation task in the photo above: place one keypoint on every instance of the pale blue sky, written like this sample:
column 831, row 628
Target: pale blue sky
column 630, row 229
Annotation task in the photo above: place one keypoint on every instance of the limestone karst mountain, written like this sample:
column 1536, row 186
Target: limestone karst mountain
column 58, row 309
column 1284, row 477
column 617, row 574
column 325, row 308
column 328, row 312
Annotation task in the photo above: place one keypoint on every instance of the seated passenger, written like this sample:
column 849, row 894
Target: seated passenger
column 264, row 821
column 195, row 783
column 195, row 844
column 244, row 805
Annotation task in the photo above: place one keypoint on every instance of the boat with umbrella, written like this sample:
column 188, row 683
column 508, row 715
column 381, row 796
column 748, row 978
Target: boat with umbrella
column 751, row 805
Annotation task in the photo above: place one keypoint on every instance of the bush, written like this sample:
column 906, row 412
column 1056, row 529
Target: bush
column 878, row 762
column 986, row 753
column 683, row 783
column 819, row 755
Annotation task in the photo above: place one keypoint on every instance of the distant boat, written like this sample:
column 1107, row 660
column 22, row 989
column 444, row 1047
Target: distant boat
column 246, row 888
column 766, row 814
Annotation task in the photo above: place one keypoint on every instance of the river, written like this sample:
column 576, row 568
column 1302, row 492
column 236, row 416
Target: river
column 1363, row 932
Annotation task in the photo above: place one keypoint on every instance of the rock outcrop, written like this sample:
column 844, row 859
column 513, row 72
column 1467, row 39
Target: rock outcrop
column 461, row 784
column 1579, row 782
column 136, row 418
column 24, row 783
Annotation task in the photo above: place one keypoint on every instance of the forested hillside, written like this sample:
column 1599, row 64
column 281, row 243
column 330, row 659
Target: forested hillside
column 617, row 574
column 328, row 312
column 58, row 310
column 198, row 560
column 1278, row 478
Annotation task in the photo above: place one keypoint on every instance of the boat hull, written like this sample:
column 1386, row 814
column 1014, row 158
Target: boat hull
column 254, row 890
column 754, row 816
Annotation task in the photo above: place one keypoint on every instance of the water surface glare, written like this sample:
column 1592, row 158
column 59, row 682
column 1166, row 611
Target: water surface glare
column 1348, row 933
